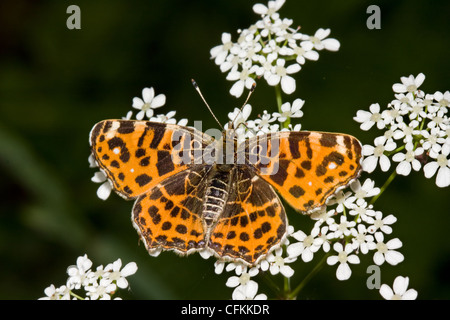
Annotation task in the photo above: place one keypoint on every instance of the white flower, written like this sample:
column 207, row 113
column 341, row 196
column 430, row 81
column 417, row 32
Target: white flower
column 165, row 118
column 128, row 116
column 368, row 119
column 406, row 131
column 339, row 198
column 441, row 165
column 243, row 280
column 104, row 191
column 362, row 241
column 408, row 160
column 442, row 98
column 433, row 139
column 400, row 292
column 386, row 251
column 288, row 112
column 271, row 8
column 277, row 264
column 324, row 237
column 101, row 290
column 148, row 103
column 381, row 223
column 439, row 119
column 304, row 51
column 343, row 228
column 118, row 276
column 238, row 117
column 79, row 273
column 375, row 154
column 319, row 42
column 244, row 80
column 263, row 121
column 248, row 293
column 281, row 74
column 52, row 293
column 344, row 257
column 219, row 53
column 307, row 245
column 361, row 209
column 409, row 84
column 366, row 190
column 323, row 216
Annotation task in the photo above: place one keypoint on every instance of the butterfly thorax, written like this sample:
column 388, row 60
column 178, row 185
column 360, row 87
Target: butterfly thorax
column 227, row 148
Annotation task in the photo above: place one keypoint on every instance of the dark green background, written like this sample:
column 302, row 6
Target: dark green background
column 55, row 84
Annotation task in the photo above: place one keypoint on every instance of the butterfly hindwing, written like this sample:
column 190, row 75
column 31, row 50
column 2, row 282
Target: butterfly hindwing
column 169, row 216
column 253, row 220
column 137, row 155
column 306, row 167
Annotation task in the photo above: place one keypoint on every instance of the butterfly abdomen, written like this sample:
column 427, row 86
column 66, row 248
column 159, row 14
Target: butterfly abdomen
column 216, row 195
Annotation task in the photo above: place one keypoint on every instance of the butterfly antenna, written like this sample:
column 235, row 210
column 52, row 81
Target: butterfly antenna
column 246, row 100
column 200, row 93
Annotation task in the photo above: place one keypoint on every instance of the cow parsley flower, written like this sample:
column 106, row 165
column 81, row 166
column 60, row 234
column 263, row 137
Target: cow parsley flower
column 368, row 119
column 269, row 49
column 148, row 102
column 278, row 264
column 408, row 159
column 271, row 8
column 387, row 251
column 85, row 283
column 376, row 154
column 362, row 240
column 288, row 111
column 319, row 40
column 409, row 84
column 400, row 290
column 307, row 245
column 242, row 280
column 378, row 222
column 439, row 163
column 248, row 293
column 281, row 74
column 344, row 257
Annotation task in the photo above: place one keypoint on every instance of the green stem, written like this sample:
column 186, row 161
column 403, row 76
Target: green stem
column 386, row 184
column 271, row 283
column 293, row 294
column 287, row 285
column 75, row 295
column 285, row 124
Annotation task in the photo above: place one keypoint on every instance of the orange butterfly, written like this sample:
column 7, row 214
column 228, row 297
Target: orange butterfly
column 187, row 202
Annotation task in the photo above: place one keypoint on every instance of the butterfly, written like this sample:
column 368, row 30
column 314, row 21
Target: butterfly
column 191, row 195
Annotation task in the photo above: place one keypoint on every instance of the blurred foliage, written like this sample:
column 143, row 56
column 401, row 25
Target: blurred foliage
column 55, row 84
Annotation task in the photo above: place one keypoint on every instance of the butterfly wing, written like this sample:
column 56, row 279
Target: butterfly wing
column 305, row 167
column 137, row 155
column 253, row 220
column 169, row 215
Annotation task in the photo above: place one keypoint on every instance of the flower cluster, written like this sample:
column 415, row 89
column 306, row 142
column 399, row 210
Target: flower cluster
column 98, row 284
column 415, row 132
column 271, row 49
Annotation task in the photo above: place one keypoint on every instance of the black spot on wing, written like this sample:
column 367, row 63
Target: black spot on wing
column 165, row 164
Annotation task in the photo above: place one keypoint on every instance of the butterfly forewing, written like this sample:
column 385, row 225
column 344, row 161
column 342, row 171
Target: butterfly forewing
column 137, row 155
